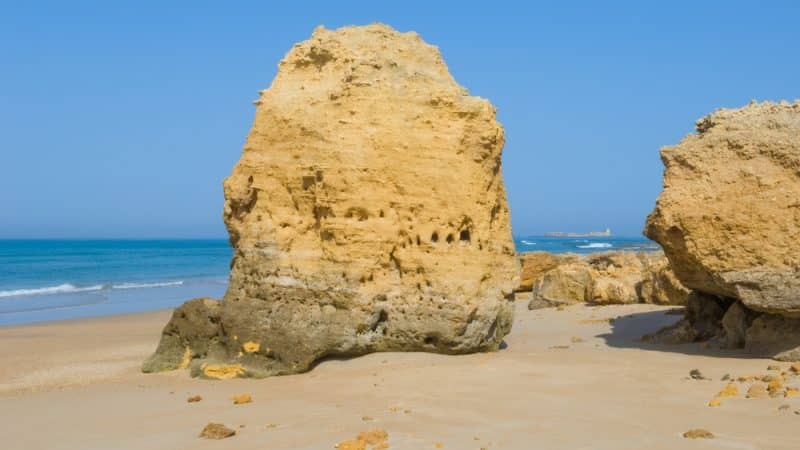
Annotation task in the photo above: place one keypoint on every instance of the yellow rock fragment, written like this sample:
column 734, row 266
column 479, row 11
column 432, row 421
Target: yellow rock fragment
column 352, row 444
column 716, row 401
column 698, row 433
column 792, row 392
column 373, row 437
column 242, row 399
column 251, row 347
column 795, row 368
column 729, row 391
column 774, row 386
column 222, row 371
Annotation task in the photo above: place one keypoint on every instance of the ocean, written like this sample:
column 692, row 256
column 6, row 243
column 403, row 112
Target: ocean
column 43, row 280
column 583, row 245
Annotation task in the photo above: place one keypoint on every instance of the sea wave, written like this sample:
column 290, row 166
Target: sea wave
column 60, row 289
column 596, row 245
column 68, row 288
column 146, row 285
column 528, row 242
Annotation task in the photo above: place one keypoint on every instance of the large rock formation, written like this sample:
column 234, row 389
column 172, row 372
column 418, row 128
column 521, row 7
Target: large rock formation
column 367, row 213
column 729, row 220
column 615, row 277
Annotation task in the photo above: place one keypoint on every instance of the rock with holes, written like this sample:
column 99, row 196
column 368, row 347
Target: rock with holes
column 367, row 213
column 728, row 219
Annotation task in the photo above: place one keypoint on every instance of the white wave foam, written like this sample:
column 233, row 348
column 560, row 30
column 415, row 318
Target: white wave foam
column 60, row 289
column 67, row 288
column 528, row 242
column 596, row 245
column 146, row 285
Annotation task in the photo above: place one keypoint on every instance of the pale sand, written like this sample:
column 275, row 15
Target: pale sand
column 76, row 385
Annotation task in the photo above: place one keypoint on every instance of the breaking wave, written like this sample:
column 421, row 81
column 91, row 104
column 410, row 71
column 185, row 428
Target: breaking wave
column 67, row 288
column 596, row 245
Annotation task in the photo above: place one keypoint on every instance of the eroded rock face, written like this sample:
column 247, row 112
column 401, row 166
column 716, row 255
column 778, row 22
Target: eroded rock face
column 616, row 277
column 536, row 264
column 367, row 213
column 728, row 219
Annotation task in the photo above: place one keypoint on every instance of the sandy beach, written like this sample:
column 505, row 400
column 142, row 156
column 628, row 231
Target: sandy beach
column 566, row 379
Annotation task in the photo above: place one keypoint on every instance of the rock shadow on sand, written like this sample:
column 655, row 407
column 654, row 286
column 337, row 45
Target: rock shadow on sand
column 628, row 330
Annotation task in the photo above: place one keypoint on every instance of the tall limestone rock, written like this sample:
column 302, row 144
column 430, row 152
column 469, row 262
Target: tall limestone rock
column 729, row 222
column 367, row 213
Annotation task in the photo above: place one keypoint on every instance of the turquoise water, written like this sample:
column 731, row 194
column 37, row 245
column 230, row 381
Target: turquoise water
column 62, row 279
column 583, row 245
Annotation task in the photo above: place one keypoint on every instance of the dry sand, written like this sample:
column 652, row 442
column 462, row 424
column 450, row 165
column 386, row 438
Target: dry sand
column 76, row 385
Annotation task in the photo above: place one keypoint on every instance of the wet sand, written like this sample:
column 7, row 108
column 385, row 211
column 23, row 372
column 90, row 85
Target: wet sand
column 565, row 380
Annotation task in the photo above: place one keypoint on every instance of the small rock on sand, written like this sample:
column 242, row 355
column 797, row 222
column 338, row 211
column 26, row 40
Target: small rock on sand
column 194, row 399
column 216, row 431
column 729, row 391
column 698, row 433
column 695, row 374
column 377, row 439
column 773, row 367
column 242, row 399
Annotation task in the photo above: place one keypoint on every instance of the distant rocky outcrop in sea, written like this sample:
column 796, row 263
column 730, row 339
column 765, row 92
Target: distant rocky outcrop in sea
column 728, row 219
column 367, row 213
column 616, row 277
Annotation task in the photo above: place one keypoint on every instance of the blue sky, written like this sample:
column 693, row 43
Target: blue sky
column 120, row 119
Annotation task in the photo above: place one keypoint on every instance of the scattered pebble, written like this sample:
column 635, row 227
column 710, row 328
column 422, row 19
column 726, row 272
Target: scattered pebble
column 726, row 377
column 352, row 444
column 216, row 431
column 367, row 418
column 270, row 426
column 194, row 399
column 439, row 445
column 784, row 407
column 698, row 433
column 695, row 374
column 377, row 439
column 242, row 399
column 730, row 390
column 714, row 402
column 773, row 367
column 576, row 339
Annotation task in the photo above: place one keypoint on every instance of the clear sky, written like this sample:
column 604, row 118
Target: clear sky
column 120, row 119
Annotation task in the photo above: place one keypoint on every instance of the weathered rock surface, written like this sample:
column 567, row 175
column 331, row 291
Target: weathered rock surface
column 728, row 220
column 616, row 277
column 367, row 213
column 536, row 264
